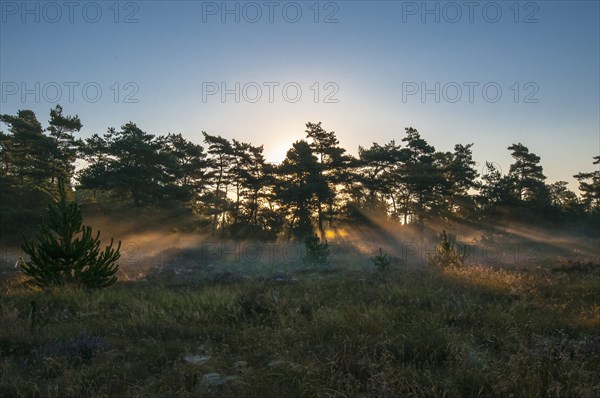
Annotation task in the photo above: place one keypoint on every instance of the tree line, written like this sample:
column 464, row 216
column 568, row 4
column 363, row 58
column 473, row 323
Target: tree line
column 235, row 193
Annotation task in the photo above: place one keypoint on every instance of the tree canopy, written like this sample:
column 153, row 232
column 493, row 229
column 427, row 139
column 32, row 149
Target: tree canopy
column 236, row 193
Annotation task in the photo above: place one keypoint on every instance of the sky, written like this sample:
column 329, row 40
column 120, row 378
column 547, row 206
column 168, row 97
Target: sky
column 492, row 73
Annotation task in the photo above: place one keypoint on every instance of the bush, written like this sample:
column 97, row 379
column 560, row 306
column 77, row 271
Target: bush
column 381, row 261
column 316, row 252
column 66, row 253
column 448, row 253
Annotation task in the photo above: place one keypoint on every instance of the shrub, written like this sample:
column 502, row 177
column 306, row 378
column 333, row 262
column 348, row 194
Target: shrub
column 381, row 261
column 448, row 253
column 317, row 252
column 66, row 253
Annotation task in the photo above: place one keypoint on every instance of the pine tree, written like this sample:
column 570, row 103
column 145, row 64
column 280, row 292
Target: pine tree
column 421, row 177
column 61, row 130
column 66, row 253
column 589, row 185
column 528, row 175
column 298, row 187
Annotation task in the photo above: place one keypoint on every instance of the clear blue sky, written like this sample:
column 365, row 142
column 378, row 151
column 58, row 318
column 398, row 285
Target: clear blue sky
column 376, row 56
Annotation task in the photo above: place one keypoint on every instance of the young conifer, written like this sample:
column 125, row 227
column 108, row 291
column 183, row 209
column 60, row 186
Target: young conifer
column 66, row 253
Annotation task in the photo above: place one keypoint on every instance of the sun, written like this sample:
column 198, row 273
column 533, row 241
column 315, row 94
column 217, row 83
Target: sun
column 277, row 152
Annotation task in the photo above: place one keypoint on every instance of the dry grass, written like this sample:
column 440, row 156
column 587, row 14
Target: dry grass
column 476, row 331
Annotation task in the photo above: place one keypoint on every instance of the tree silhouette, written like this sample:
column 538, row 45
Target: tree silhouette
column 27, row 167
column 565, row 202
column 527, row 173
column 421, row 176
column 230, row 187
column 61, row 129
column 186, row 167
column 324, row 145
column 221, row 156
column 299, row 185
column 460, row 174
column 589, row 184
column 379, row 177
column 27, row 151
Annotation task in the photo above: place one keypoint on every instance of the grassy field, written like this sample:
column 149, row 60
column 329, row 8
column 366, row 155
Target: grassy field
column 476, row 331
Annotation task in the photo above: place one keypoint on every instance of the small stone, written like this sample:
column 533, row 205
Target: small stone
column 215, row 379
column 196, row 359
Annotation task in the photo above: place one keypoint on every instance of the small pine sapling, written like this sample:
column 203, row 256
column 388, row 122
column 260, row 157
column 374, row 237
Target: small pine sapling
column 447, row 253
column 66, row 253
column 381, row 261
column 317, row 252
